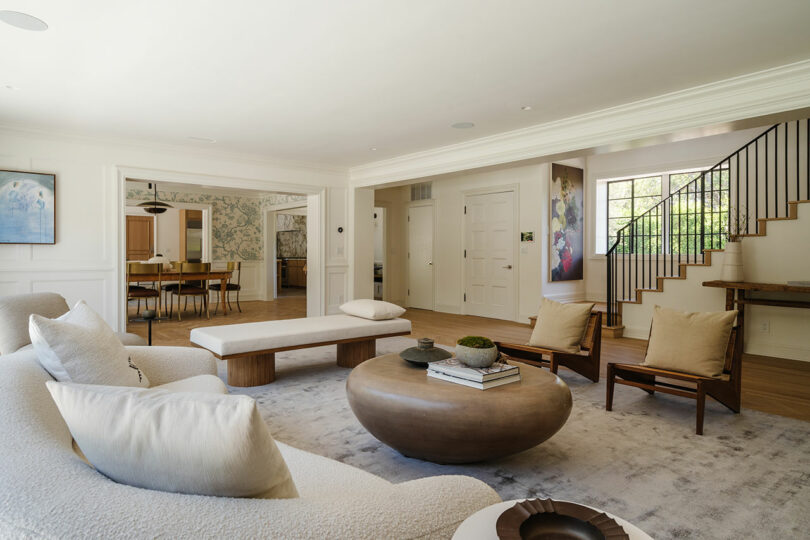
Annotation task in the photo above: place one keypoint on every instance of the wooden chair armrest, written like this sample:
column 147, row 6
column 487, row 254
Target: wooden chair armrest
column 524, row 348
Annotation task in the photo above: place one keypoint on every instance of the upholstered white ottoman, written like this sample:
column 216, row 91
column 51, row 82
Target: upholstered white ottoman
column 250, row 348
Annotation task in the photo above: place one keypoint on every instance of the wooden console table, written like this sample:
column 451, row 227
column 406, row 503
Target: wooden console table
column 736, row 295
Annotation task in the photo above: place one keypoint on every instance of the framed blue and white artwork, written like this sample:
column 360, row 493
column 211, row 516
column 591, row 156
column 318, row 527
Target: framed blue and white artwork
column 27, row 207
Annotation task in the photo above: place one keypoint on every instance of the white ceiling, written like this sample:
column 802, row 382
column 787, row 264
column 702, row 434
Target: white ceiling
column 322, row 81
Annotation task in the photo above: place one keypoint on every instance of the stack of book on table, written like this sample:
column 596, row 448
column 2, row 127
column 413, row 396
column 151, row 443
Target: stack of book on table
column 452, row 370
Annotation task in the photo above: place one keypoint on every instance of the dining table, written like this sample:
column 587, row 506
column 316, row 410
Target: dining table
column 172, row 275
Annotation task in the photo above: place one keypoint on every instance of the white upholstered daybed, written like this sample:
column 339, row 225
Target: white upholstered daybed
column 250, row 348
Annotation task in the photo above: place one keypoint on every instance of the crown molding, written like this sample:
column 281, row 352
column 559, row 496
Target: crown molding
column 210, row 152
column 771, row 91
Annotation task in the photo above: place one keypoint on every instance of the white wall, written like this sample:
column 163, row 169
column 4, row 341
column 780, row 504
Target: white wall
column 379, row 231
column 764, row 261
column 85, row 261
column 168, row 234
column 395, row 201
column 337, row 249
column 532, row 183
column 361, row 210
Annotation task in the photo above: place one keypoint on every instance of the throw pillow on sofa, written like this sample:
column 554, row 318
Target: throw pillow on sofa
column 375, row 310
column 80, row 347
column 181, row 442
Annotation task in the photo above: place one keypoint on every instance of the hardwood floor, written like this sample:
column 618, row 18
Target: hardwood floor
column 176, row 332
column 772, row 385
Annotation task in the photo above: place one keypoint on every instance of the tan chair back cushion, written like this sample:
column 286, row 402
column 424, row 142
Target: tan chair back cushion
column 560, row 326
column 14, row 313
column 693, row 343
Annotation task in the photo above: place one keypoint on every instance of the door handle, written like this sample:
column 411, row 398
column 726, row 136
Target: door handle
column 430, row 263
column 508, row 267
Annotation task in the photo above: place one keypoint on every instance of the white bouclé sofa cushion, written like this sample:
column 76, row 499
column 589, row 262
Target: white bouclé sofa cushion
column 181, row 442
column 14, row 313
column 200, row 383
column 80, row 347
column 375, row 310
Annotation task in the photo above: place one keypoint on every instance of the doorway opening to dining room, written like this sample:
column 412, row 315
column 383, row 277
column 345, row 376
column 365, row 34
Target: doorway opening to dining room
column 286, row 249
column 216, row 237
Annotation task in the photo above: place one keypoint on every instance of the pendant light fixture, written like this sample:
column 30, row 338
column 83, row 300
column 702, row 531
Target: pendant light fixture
column 154, row 206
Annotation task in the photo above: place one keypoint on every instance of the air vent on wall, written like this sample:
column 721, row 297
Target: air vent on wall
column 421, row 192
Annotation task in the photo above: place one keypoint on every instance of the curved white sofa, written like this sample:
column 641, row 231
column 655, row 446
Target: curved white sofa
column 46, row 490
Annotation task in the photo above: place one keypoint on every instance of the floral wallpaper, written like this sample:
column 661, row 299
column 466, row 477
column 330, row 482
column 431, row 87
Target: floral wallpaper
column 271, row 199
column 236, row 222
column 291, row 235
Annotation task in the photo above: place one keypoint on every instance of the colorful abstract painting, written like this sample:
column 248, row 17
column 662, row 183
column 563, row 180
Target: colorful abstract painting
column 566, row 242
column 26, row 208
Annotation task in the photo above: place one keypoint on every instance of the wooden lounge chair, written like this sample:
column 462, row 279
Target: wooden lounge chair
column 725, row 389
column 586, row 362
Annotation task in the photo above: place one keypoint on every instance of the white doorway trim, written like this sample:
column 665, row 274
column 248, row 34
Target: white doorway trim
column 515, row 188
column 410, row 205
column 316, row 207
column 270, row 248
column 386, row 206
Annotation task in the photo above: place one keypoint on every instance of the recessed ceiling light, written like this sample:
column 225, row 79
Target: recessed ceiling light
column 23, row 21
column 463, row 125
column 373, row 148
column 208, row 140
column 526, row 108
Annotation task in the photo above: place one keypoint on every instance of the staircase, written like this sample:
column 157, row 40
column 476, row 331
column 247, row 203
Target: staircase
column 763, row 181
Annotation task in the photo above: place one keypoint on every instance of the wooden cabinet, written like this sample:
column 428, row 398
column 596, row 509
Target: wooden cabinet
column 296, row 277
column 140, row 237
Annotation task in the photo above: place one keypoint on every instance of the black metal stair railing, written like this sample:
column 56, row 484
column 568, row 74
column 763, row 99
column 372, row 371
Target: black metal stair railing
column 757, row 181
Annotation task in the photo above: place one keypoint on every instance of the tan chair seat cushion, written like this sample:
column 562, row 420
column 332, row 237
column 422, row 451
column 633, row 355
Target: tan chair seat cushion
column 560, row 326
column 693, row 343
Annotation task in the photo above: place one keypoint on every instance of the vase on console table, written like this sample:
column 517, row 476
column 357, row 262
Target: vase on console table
column 732, row 262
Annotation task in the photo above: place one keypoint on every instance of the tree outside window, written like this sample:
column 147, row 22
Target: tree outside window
column 673, row 227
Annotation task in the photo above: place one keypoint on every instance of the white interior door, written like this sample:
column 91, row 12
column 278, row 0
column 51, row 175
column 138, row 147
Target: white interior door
column 489, row 267
column 420, row 257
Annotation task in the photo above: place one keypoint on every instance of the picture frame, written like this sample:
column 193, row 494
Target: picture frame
column 566, row 223
column 27, row 207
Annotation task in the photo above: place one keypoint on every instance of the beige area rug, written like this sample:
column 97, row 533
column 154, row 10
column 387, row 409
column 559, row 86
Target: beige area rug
column 747, row 477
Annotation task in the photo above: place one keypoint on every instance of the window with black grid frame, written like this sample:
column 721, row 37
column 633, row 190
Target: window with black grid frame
column 630, row 198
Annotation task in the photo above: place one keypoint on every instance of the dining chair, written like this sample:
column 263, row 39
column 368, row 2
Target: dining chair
column 233, row 266
column 136, row 292
column 194, row 288
column 170, row 286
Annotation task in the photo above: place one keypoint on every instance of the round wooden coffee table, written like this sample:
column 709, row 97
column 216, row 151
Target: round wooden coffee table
column 444, row 422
